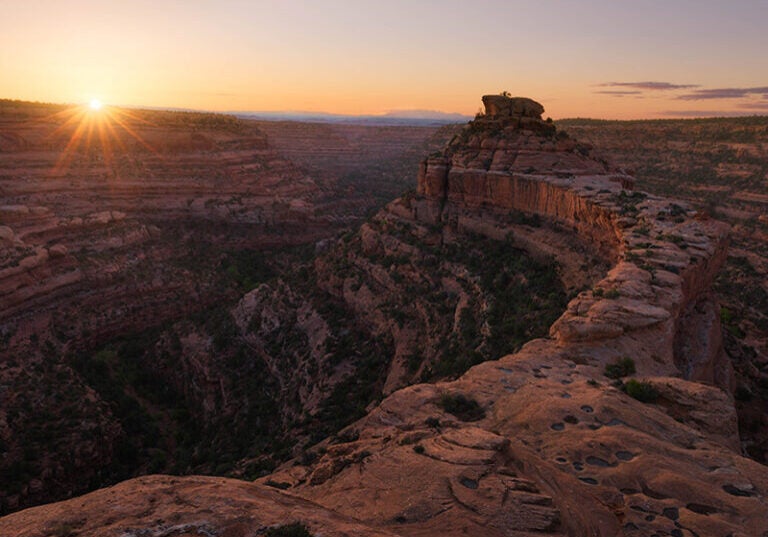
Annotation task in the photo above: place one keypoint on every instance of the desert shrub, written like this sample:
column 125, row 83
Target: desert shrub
column 641, row 390
column 461, row 406
column 612, row 293
column 295, row 529
column 621, row 368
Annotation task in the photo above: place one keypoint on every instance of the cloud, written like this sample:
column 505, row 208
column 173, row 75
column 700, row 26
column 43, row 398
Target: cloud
column 619, row 93
column 723, row 93
column 648, row 86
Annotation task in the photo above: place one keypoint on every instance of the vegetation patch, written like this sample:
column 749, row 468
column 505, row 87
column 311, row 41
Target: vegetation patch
column 461, row 406
column 641, row 390
column 294, row 529
column 623, row 367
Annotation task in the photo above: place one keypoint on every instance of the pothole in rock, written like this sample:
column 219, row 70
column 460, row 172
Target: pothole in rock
column 745, row 491
column 671, row 513
column 597, row 461
column 701, row 509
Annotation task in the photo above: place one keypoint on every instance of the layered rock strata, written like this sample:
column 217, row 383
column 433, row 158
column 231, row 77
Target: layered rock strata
column 113, row 223
column 541, row 441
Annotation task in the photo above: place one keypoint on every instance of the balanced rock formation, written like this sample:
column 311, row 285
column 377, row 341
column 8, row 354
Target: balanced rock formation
column 543, row 441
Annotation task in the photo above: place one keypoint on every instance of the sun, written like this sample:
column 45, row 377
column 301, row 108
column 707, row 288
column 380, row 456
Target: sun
column 95, row 124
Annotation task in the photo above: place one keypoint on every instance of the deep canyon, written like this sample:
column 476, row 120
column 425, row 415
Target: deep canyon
column 527, row 343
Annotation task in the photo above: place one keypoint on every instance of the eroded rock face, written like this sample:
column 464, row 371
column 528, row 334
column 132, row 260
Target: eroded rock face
column 557, row 448
column 541, row 441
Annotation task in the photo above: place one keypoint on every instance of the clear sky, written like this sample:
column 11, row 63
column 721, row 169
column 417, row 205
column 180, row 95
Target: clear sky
column 588, row 58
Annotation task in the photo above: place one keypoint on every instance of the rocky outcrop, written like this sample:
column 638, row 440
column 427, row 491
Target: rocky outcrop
column 210, row 506
column 546, row 423
column 545, row 441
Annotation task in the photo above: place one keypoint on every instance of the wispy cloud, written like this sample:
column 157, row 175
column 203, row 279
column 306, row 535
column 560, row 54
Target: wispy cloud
column 723, row 93
column 619, row 93
column 648, row 86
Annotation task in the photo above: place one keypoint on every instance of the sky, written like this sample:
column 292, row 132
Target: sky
column 613, row 59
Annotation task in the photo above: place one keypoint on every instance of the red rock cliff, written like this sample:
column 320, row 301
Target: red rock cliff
column 542, row 441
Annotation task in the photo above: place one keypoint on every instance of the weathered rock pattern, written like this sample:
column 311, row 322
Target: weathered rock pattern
column 720, row 165
column 210, row 506
column 609, row 464
column 541, row 441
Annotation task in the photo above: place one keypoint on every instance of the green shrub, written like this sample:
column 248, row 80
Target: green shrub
column 612, row 294
column 461, row 406
column 641, row 390
column 622, row 368
column 295, row 529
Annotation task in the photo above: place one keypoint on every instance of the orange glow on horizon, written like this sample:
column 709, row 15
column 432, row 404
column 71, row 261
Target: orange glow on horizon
column 98, row 128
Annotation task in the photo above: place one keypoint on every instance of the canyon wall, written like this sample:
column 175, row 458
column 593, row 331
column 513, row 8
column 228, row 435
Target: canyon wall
column 620, row 422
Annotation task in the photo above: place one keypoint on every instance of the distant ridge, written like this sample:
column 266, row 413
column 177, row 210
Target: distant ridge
column 393, row 118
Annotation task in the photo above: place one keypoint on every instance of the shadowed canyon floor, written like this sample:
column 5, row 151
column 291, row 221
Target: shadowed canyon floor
column 620, row 421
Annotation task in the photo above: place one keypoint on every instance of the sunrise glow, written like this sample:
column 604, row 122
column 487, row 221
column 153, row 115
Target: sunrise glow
column 596, row 58
column 95, row 104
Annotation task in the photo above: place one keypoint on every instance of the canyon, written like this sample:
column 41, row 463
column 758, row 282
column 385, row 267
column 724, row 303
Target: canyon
column 115, row 226
column 526, row 344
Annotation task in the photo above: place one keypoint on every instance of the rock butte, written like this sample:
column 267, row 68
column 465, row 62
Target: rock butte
column 559, row 450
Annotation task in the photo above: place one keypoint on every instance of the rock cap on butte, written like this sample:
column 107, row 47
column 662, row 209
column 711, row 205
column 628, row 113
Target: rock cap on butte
column 504, row 106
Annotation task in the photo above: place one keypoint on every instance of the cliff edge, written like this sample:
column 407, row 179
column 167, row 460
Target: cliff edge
column 621, row 422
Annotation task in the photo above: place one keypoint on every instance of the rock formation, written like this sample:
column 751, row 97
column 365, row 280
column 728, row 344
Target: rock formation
column 545, row 440
column 121, row 253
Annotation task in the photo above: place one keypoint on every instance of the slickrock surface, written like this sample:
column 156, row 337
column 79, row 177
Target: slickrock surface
column 541, row 441
column 165, row 506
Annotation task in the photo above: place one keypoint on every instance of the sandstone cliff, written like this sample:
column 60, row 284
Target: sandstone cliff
column 542, row 440
column 552, row 445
